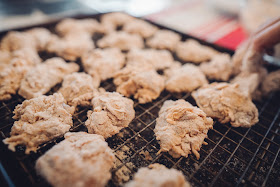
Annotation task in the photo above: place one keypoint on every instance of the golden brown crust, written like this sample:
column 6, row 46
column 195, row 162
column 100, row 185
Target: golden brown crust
column 140, row 27
column 157, row 175
column 103, row 63
column 40, row 79
column 184, row 78
column 219, row 68
column 122, row 40
column 159, row 59
column 193, row 51
column 181, row 128
column 81, row 159
column 39, row 120
column 164, row 39
column 111, row 113
column 227, row 103
column 79, row 89
column 144, row 84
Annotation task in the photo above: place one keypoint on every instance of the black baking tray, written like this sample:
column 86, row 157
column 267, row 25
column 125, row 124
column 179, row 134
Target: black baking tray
column 233, row 156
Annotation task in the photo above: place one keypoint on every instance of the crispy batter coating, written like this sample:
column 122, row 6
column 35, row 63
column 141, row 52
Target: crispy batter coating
column 39, row 120
column 164, row 39
column 271, row 83
column 11, row 77
column 83, row 26
column 103, row 62
column 81, row 160
column 140, row 27
column 14, row 71
column 35, row 39
column 181, row 128
column 41, row 36
column 28, row 54
column 121, row 40
column 145, row 84
column 157, row 175
column 184, row 79
column 72, row 46
column 238, row 57
column 227, row 103
column 113, row 20
column 111, row 113
column 248, row 83
column 78, row 89
column 219, row 68
column 245, row 59
column 193, row 51
column 5, row 58
column 159, row 59
column 15, row 40
column 40, row 79
column 252, row 62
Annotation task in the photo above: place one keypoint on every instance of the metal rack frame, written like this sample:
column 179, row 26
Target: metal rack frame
column 233, row 156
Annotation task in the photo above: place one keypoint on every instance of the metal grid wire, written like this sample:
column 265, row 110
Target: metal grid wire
column 233, row 156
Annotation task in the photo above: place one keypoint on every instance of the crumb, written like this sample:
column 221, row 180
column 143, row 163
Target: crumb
column 122, row 175
column 146, row 155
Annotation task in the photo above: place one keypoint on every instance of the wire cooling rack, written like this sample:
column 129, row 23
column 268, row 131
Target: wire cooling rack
column 233, row 156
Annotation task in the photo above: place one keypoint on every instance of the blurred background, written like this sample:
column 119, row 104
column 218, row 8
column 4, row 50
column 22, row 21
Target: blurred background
column 224, row 22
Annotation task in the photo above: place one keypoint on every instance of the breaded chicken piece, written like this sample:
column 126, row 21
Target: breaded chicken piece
column 238, row 57
column 271, row 83
column 157, row 175
column 245, row 59
column 5, row 58
column 184, row 79
column 250, row 83
column 41, row 36
column 35, row 39
column 219, row 68
column 121, row 40
column 227, row 103
column 39, row 120
column 181, row 128
column 13, row 72
column 252, row 62
column 113, row 20
column 15, row 40
column 83, row 26
column 11, row 77
column 78, row 89
column 193, row 51
column 40, row 79
column 28, row 54
column 164, row 39
column 103, row 62
column 159, row 59
column 144, row 84
column 72, row 46
column 140, row 27
column 82, row 160
column 111, row 113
